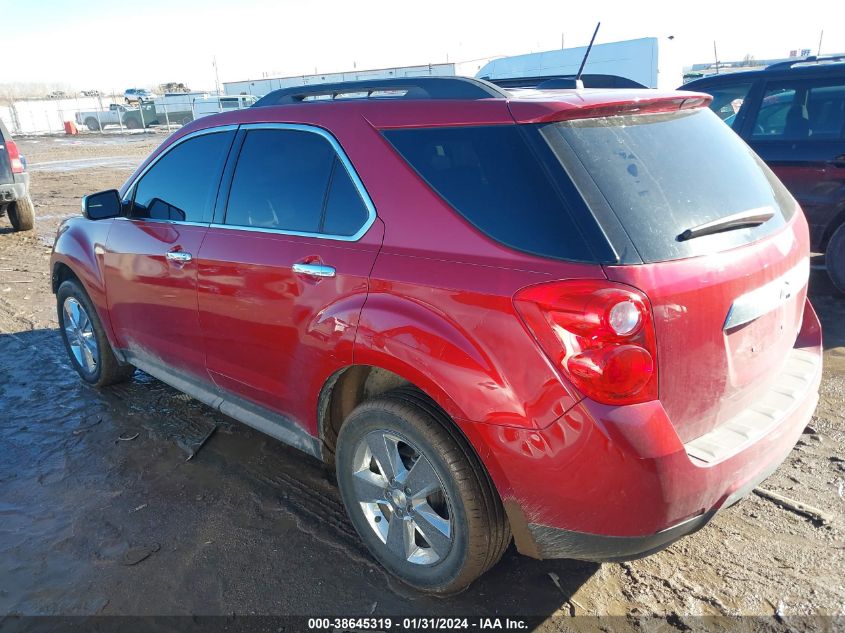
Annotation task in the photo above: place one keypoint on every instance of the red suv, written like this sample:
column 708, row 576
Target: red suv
column 574, row 318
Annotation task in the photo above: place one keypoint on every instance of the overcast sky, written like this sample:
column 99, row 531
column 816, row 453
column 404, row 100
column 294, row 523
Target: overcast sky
column 114, row 44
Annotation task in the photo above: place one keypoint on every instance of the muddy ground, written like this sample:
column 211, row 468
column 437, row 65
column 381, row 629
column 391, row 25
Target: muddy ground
column 102, row 512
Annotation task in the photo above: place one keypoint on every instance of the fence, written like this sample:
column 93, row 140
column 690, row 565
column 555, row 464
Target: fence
column 113, row 114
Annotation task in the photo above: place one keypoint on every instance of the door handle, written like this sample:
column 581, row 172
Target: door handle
column 179, row 256
column 314, row 270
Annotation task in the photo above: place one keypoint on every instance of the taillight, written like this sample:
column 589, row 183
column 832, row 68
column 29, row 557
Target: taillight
column 598, row 333
column 14, row 157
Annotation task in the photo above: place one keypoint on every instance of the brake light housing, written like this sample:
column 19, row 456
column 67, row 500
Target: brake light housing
column 14, row 157
column 598, row 334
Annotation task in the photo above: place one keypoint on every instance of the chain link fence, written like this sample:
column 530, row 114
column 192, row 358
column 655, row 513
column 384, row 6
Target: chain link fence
column 105, row 114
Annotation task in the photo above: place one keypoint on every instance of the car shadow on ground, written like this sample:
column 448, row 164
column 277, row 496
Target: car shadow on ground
column 829, row 304
column 137, row 499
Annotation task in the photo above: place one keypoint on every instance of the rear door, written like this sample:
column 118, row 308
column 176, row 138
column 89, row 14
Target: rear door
column 799, row 130
column 150, row 258
column 283, row 271
column 727, row 305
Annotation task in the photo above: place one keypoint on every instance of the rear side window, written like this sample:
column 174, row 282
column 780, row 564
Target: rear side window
column 501, row 183
column 182, row 184
column 662, row 174
column 292, row 180
column 796, row 110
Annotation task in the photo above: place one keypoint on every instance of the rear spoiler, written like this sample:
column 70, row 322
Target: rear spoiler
column 575, row 106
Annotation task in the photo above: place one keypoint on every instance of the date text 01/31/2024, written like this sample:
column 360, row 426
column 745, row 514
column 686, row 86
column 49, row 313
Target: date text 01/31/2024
column 374, row 624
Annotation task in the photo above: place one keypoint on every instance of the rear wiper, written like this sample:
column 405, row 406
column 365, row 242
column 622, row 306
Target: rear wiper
column 741, row 220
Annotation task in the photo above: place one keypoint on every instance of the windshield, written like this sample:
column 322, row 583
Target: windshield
column 662, row 174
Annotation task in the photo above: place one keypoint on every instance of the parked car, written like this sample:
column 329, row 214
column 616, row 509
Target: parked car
column 540, row 317
column 14, row 184
column 138, row 95
column 132, row 118
column 91, row 93
column 793, row 115
column 57, row 94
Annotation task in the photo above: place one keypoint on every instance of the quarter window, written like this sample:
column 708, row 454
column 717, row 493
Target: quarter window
column 292, row 180
column 182, row 184
column 727, row 100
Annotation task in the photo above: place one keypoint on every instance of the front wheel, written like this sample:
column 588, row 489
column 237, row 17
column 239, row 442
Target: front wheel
column 85, row 340
column 417, row 495
column 834, row 258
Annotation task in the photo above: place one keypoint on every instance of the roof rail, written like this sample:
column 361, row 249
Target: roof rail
column 806, row 60
column 557, row 82
column 414, row 87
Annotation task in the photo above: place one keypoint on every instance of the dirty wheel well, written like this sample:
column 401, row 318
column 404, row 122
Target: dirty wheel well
column 345, row 391
column 61, row 273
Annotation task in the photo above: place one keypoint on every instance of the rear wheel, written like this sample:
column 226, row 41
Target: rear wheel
column 22, row 214
column 85, row 340
column 133, row 124
column 834, row 258
column 417, row 495
column 92, row 124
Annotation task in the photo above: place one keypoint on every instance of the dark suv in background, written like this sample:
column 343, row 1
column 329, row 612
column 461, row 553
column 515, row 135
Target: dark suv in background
column 14, row 184
column 793, row 115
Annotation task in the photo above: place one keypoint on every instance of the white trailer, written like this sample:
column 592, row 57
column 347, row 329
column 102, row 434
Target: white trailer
column 203, row 106
column 646, row 61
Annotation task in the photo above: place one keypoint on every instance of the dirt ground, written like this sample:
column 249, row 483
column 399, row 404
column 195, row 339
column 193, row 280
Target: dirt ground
column 102, row 512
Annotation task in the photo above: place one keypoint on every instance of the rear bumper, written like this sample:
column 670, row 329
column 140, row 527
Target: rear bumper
column 616, row 483
column 14, row 190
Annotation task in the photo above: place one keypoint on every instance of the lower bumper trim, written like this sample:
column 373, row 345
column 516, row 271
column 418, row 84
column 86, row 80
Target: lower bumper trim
column 558, row 543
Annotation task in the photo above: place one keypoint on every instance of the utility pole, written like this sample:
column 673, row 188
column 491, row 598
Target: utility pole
column 819, row 52
column 216, row 75
column 561, row 41
column 716, row 56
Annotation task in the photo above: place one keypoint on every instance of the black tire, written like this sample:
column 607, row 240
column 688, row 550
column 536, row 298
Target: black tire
column 834, row 258
column 22, row 214
column 92, row 124
column 478, row 528
column 108, row 369
column 132, row 123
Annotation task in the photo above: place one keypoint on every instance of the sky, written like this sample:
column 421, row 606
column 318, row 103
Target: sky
column 112, row 45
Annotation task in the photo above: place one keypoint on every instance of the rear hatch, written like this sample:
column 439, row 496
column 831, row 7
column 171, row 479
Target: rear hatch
column 5, row 165
column 712, row 237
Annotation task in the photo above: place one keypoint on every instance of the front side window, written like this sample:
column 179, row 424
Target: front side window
column 182, row 184
column 292, row 180
column 797, row 110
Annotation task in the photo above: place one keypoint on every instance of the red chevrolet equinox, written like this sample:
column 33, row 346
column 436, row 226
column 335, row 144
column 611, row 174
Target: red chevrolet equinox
column 577, row 319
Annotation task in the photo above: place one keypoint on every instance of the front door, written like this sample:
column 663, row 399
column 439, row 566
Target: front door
column 283, row 273
column 150, row 256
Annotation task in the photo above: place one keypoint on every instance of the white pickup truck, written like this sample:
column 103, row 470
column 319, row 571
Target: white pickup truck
column 133, row 118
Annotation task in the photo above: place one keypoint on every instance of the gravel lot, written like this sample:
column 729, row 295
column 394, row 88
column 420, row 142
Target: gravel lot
column 95, row 522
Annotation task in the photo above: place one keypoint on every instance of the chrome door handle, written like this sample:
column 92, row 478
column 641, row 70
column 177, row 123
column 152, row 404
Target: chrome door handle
column 314, row 270
column 179, row 256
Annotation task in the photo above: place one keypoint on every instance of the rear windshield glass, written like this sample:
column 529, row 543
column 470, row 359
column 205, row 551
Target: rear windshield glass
column 662, row 174
column 504, row 180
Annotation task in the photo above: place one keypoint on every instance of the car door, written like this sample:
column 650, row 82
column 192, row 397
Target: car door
column 149, row 261
column 283, row 271
column 799, row 130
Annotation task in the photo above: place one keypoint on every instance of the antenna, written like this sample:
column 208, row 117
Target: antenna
column 578, row 83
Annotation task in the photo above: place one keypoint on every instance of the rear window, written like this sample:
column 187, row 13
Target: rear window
column 664, row 173
column 508, row 184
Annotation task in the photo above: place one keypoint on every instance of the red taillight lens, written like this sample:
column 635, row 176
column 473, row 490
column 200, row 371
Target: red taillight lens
column 14, row 157
column 598, row 333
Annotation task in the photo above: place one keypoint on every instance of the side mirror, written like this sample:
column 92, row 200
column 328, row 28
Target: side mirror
column 102, row 205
